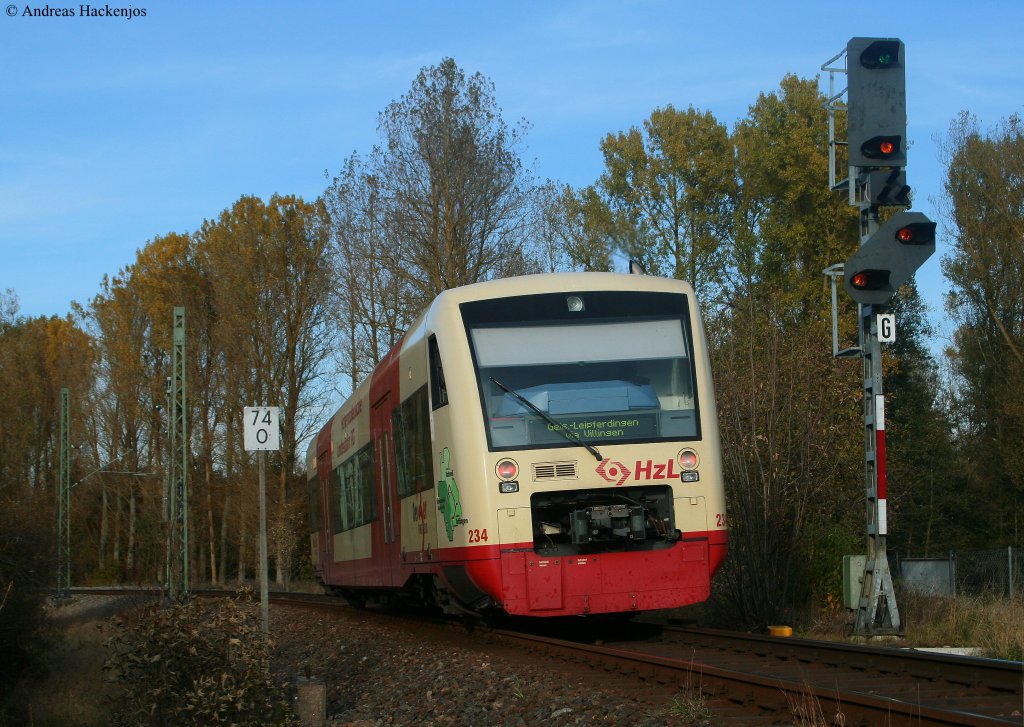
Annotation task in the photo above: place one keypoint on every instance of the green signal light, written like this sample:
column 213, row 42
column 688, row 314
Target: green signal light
column 882, row 54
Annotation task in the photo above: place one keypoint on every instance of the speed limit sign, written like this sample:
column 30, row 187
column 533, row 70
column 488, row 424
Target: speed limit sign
column 886, row 325
column 262, row 428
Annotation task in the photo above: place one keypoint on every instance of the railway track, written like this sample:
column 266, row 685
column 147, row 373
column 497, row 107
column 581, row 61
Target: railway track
column 757, row 679
column 766, row 679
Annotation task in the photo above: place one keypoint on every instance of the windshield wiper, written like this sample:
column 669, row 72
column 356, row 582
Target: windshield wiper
column 571, row 436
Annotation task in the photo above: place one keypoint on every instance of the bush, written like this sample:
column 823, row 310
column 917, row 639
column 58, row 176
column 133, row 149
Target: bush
column 25, row 571
column 187, row 665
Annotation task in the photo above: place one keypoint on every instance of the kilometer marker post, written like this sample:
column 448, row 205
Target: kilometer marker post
column 262, row 433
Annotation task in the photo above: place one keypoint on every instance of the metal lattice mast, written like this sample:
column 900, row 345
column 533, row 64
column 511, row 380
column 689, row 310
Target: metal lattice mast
column 877, row 612
column 64, row 500
column 178, row 567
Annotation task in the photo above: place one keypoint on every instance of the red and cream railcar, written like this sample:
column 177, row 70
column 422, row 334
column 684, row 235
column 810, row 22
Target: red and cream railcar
column 546, row 445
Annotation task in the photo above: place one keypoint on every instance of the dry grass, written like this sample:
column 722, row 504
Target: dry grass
column 994, row 625
column 807, row 712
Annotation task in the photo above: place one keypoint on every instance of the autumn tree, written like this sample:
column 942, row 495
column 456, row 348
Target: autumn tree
column 983, row 208
column 368, row 296
column 790, row 414
column 456, row 193
column 38, row 357
column 925, row 496
column 444, row 200
column 576, row 230
column 270, row 274
column 669, row 192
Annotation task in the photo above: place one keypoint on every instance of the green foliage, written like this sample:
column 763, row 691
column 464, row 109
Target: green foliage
column 822, row 585
column 189, row 665
column 790, row 225
column 669, row 193
column 923, row 498
column 789, row 413
column 984, row 211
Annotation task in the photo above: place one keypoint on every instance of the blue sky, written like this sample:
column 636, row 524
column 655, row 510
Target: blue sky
column 114, row 130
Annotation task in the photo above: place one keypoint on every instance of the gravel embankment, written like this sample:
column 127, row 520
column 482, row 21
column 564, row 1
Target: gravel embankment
column 379, row 675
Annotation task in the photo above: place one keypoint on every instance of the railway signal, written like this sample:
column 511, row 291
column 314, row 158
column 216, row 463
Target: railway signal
column 889, row 257
column 876, row 121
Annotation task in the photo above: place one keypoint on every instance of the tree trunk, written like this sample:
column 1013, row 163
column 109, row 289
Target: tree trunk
column 209, row 525
column 224, row 539
column 130, row 555
column 104, row 525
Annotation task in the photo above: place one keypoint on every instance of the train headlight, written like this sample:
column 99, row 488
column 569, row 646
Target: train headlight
column 507, row 469
column 688, row 462
column 574, row 303
column 688, row 459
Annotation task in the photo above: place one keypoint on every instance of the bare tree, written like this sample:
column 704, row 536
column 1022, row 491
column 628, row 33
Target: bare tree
column 456, row 194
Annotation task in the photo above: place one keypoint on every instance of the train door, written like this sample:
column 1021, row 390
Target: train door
column 384, row 470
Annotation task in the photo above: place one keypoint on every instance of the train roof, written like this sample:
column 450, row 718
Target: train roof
column 550, row 282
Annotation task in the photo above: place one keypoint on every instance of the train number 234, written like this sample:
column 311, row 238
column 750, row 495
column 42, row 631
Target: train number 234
column 478, row 536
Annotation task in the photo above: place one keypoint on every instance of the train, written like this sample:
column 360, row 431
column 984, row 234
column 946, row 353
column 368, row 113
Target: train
column 544, row 445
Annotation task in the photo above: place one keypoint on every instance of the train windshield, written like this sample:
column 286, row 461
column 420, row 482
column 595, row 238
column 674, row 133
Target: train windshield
column 602, row 367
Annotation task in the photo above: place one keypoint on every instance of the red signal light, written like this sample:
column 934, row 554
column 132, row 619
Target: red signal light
column 885, row 148
column 916, row 233
column 870, row 279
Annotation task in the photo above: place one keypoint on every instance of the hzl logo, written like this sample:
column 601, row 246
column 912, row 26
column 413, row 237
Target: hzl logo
column 613, row 471
column 617, row 473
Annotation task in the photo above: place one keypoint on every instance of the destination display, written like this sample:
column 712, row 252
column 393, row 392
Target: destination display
column 595, row 428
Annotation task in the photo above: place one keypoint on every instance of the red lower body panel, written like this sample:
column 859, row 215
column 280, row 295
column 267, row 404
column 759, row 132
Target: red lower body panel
column 528, row 584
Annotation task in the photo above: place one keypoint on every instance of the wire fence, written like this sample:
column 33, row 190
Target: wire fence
column 966, row 572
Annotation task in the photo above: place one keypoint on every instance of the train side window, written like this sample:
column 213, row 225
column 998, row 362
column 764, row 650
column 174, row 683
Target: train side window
column 352, row 504
column 410, row 422
column 366, row 483
column 356, row 493
column 438, row 390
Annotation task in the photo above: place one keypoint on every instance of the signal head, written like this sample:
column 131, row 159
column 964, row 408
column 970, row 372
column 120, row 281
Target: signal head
column 889, row 257
column 876, row 103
